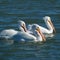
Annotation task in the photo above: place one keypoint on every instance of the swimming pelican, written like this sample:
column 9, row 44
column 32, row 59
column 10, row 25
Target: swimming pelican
column 8, row 33
column 49, row 24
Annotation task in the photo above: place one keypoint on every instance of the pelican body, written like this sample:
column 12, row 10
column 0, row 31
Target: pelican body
column 11, row 32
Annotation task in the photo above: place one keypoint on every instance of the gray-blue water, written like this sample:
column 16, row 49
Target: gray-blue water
column 30, row 11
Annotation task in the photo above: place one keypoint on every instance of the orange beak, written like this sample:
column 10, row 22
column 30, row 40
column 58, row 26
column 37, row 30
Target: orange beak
column 42, row 35
column 54, row 31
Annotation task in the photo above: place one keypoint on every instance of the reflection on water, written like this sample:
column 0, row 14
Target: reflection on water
column 30, row 11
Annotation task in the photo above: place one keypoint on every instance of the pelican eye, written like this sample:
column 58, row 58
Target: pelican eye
column 37, row 28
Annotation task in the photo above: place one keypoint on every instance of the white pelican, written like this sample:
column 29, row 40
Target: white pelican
column 49, row 24
column 8, row 33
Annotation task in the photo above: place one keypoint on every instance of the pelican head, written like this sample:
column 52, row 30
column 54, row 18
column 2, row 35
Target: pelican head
column 38, row 33
column 22, row 25
column 47, row 19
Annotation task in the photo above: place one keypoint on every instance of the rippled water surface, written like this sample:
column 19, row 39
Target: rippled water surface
column 30, row 11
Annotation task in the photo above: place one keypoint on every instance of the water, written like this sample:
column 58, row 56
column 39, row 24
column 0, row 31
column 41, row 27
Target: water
column 30, row 11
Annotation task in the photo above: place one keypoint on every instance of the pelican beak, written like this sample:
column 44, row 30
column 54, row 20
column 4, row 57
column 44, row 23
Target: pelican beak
column 54, row 31
column 23, row 26
column 42, row 35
